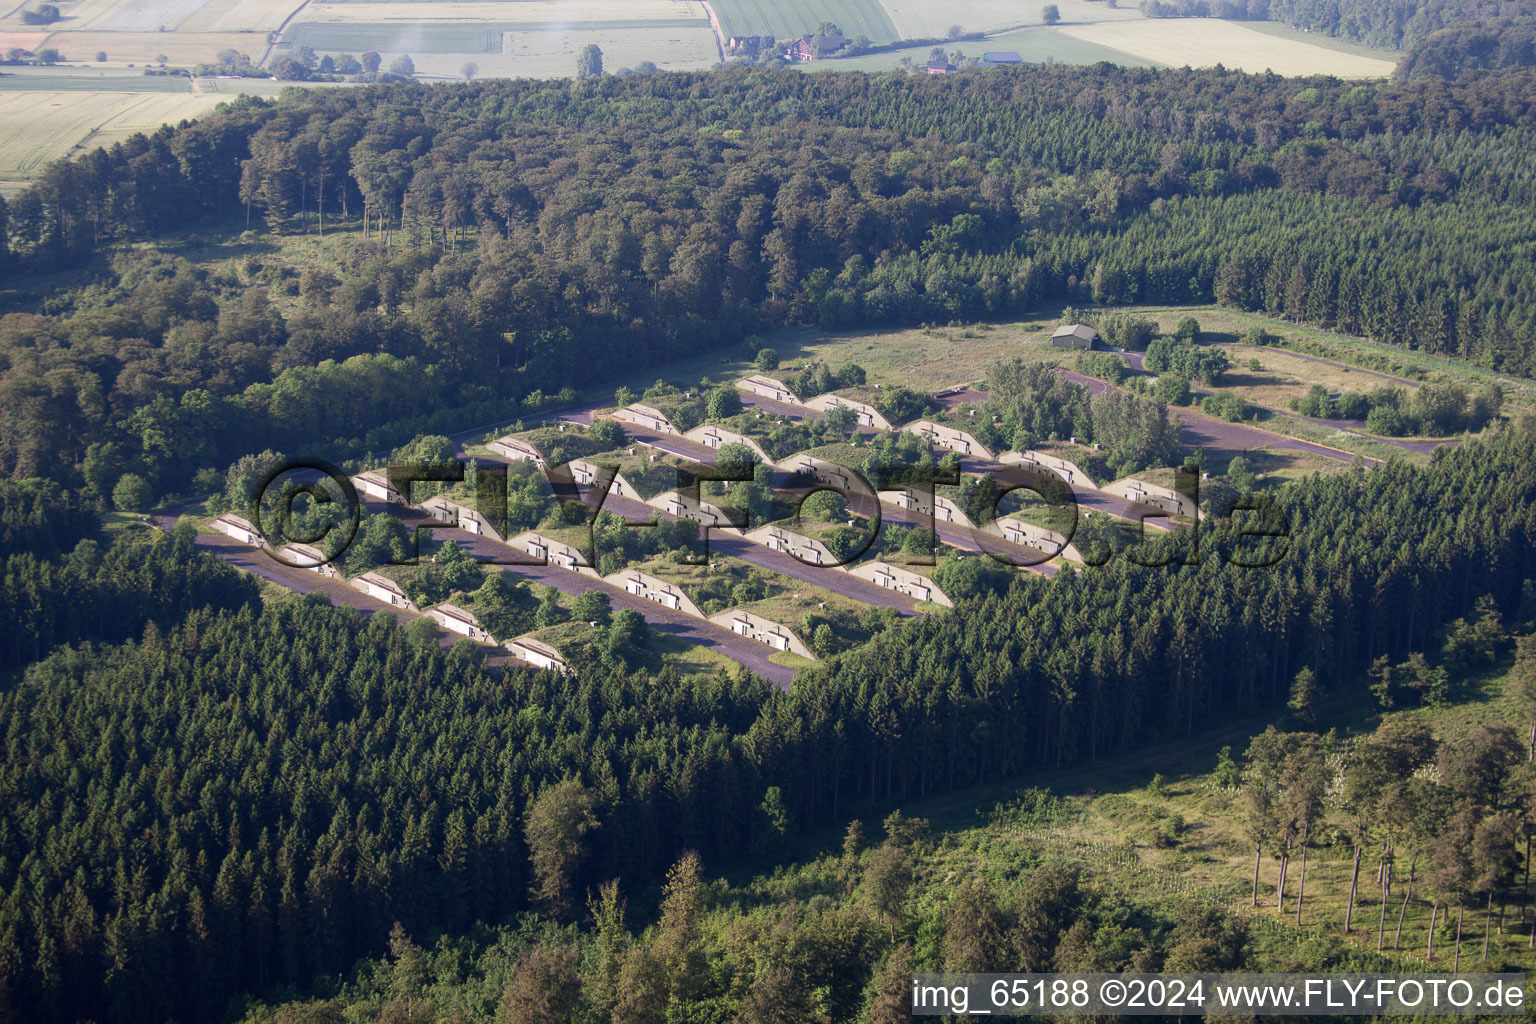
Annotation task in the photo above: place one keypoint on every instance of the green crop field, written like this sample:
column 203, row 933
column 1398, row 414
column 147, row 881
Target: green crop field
column 1037, row 45
column 785, row 18
column 423, row 37
column 94, row 83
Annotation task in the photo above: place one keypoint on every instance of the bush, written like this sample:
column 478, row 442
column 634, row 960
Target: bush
column 1226, row 407
column 132, row 494
column 608, row 433
column 766, row 359
column 723, row 403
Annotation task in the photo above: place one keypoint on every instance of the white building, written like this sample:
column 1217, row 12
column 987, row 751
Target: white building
column 382, row 588
column 868, row 415
column 1040, row 462
column 516, row 449
column 374, row 484
column 240, row 529
column 768, row 387
column 459, row 620
column 941, row 435
column 538, row 654
column 646, row 416
column 764, row 631
column 1155, row 495
column 588, row 473
column 805, row 549
column 462, row 516
column 307, row 556
column 1017, row 531
column 919, row 500
column 685, row 506
column 552, row 551
column 902, row 581
column 711, row 436
column 652, row 588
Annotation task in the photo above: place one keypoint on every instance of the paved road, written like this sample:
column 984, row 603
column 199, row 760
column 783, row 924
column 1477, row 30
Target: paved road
column 749, row 653
column 259, row 563
column 1197, row 430
column 832, row 579
column 954, row 398
column 1348, row 426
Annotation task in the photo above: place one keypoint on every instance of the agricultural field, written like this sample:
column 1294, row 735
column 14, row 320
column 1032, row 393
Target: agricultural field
column 552, row 54
column 198, row 16
column 535, row 38
column 89, row 79
column 1038, row 45
column 786, row 18
column 1202, row 42
column 923, row 19
column 177, row 48
column 37, row 127
column 537, row 12
column 22, row 40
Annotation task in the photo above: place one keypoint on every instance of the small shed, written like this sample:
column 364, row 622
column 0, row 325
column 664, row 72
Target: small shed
column 1075, row 336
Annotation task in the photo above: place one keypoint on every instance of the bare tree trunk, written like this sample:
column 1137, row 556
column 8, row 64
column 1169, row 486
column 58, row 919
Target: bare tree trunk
column 1381, row 925
column 1531, row 752
column 1285, row 863
column 1525, row 887
column 1301, row 889
column 1487, row 925
column 1398, row 938
column 1456, row 960
column 1429, row 953
column 1258, row 850
column 1354, row 882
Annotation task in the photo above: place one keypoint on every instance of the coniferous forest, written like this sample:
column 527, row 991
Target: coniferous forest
column 203, row 793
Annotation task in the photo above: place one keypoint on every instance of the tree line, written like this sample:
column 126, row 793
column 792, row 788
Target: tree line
column 517, row 235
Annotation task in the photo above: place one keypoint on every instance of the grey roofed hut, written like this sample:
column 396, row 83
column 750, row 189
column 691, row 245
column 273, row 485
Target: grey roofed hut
column 1075, row 336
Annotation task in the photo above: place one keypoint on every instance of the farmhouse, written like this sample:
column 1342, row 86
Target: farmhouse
column 239, row 528
column 653, row 588
column 538, row 654
column 1155, row 495
column 915, row 499
column 767, row 387
column 374, row 484
column 465, row 518
column 940, row 435
column 1042, row 462
column 457, row 620
column 382, row 588
column 1074, row 336
column 307, row 556
column 940, row 67
column 902, row 581
column 647, row 416
column 516, row 449
column 1017, row 531
column 868, row 415
column 805, row 549
column 764, row 631
column 554, row 551
column 814, row 47
column 711, row 436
